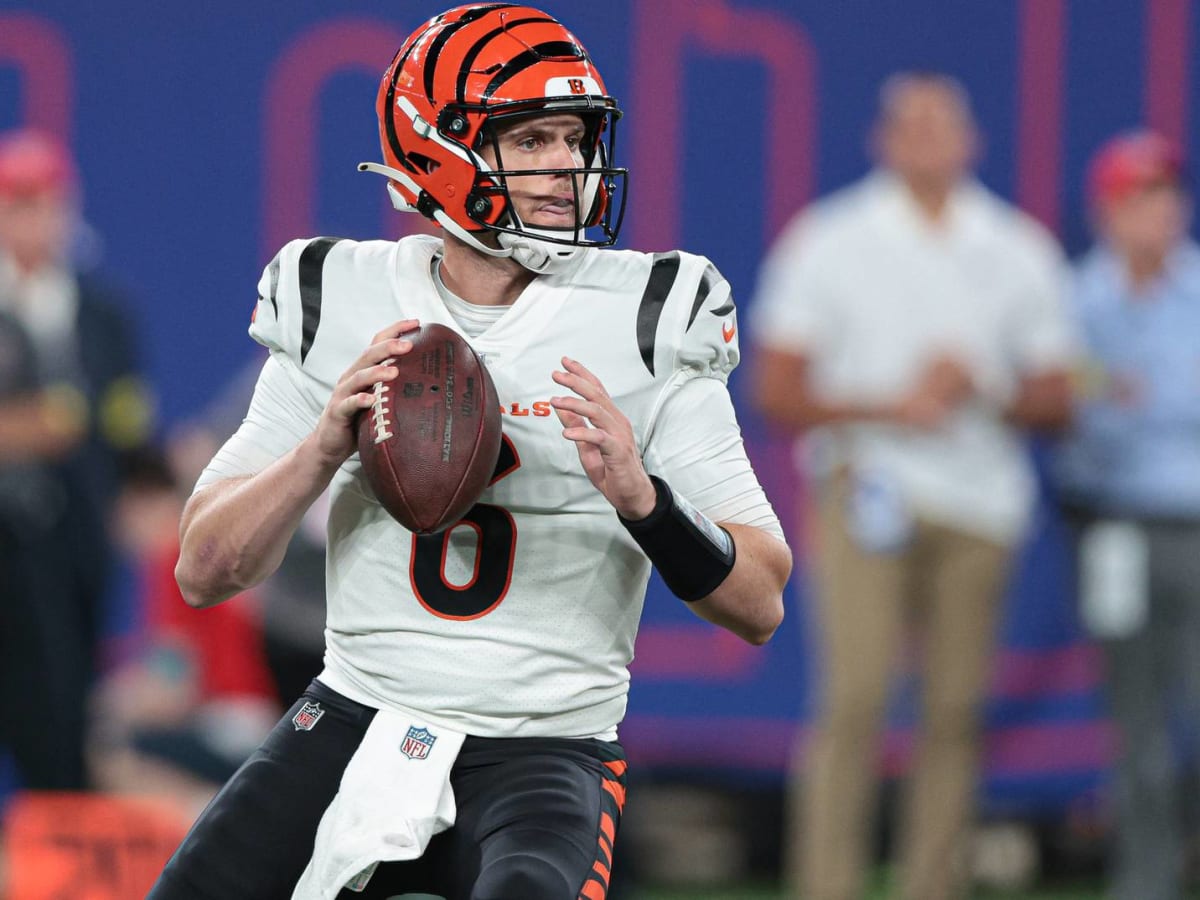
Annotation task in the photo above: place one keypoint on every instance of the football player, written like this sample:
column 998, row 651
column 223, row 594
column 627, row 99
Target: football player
column 462, row 737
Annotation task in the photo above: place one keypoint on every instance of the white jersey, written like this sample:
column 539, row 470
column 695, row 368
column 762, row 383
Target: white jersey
column 521, row 620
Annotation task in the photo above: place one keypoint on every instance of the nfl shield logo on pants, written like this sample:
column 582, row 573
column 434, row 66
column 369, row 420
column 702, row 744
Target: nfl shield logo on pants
column 417, row 743
column 308, row 716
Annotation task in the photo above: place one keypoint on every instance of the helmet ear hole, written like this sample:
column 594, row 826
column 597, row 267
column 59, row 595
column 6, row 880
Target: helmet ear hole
column 426, row 164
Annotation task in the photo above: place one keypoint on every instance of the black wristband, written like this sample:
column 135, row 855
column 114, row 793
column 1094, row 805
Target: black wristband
column 692, row 553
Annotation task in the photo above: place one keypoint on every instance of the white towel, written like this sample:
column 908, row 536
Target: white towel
column 394, row 796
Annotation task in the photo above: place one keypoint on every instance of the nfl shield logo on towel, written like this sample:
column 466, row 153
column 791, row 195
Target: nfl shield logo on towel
column 308, row 716
column 417, row 743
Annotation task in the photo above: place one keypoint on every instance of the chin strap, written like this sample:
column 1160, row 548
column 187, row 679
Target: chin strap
column 536, row 255
column 439, row 215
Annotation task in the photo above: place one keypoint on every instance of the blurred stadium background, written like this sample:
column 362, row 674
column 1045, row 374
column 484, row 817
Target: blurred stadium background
column 208, row 134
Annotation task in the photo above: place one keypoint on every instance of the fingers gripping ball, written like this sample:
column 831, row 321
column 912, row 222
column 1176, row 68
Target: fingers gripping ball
column 430, row 442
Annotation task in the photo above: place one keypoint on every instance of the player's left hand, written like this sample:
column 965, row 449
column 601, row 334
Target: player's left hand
column 604, row 439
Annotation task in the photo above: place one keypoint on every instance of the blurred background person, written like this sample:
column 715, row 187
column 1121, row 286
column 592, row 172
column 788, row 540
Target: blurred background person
column 913, row 323
column 74, row 403
column 1130, row 477
column 186, row 708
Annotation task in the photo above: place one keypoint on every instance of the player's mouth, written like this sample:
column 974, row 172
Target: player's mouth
column 557, row 208
column 548, row 210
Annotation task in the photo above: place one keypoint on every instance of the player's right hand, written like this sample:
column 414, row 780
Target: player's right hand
column 354, row 391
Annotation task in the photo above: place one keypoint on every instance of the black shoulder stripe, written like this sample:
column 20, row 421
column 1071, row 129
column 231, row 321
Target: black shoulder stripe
column 312, row 263
column 662, row 278
column 531, row 57
column 273, row 272
column 710, row 279
column 723, row 310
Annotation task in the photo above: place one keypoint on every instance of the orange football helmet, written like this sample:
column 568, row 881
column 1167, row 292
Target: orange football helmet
column 450, row 84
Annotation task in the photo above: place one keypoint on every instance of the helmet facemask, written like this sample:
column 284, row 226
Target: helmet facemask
column 597, row 188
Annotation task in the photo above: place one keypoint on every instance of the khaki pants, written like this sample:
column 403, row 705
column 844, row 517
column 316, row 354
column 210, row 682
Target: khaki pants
column 948, row 584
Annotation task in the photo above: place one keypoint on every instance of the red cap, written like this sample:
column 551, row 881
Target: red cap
column 33, row 162
column 1133, row 161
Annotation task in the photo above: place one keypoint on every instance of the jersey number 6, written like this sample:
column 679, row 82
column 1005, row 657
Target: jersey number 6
column 495, row 546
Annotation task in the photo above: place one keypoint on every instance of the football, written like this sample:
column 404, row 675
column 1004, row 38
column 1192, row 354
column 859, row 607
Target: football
column 430, row 441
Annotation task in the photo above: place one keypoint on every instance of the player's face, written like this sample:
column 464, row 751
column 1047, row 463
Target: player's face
column 541, row 142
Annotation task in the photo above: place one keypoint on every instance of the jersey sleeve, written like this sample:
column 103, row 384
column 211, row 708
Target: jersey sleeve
column 698, row 329
column 278, row 318
column 279, row 417
column 283, row 409
column 693, row 441
column 697, row 448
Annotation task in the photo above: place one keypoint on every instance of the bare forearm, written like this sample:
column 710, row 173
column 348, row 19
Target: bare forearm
column 234, row 533
column 749, row 602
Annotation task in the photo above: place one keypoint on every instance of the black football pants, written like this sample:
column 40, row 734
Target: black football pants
column 536, row 818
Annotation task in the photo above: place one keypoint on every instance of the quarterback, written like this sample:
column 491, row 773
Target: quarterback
column 461, row 739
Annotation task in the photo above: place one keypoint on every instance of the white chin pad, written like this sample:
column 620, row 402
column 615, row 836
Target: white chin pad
column 537, row 255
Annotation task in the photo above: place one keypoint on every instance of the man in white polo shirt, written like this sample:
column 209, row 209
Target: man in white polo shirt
column 911, row 326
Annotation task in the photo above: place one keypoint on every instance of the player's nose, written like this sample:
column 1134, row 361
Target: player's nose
column 565, row 155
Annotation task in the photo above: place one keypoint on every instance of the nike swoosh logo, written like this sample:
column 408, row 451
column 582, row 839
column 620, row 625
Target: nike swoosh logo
column 728, row 330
